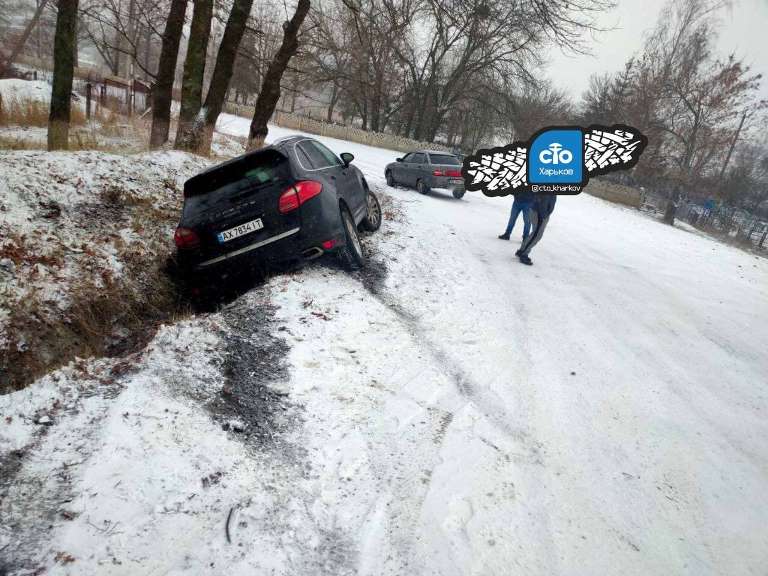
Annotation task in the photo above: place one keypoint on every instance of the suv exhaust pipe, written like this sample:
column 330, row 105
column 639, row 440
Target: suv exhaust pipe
column 312, row 253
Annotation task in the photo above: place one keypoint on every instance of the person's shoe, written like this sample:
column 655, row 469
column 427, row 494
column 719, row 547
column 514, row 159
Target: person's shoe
column 525, row 260
column 504, row 237
column 517, row 253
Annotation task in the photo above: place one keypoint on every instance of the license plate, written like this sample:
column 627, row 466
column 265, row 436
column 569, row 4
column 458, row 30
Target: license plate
column 456, row 181
column 237, row 231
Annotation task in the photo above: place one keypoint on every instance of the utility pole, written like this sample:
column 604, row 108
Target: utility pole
column 733, row 145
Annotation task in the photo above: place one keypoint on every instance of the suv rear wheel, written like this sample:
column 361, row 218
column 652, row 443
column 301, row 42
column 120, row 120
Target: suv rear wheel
column 352, row 253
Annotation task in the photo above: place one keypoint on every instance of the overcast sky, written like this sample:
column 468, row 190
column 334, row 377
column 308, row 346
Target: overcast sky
column 743, row 30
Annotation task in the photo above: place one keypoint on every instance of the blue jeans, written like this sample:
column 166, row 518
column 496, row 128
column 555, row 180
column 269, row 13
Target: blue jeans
column 517, row 207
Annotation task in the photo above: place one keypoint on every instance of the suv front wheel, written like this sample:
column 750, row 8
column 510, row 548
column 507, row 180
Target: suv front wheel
column 372, row 220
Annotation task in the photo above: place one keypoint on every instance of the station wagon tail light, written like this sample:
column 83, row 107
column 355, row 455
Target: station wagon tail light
column 186, row 238
column 437, row 173
column 453, row 173
column 297, row 194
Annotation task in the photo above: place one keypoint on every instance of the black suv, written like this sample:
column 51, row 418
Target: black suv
column 292, row 200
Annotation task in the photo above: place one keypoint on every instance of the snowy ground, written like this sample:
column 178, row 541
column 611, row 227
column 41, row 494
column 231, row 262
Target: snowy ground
column 448, row 411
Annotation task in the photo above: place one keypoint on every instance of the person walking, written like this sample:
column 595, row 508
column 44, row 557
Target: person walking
column 543, row 205
column 522, row 204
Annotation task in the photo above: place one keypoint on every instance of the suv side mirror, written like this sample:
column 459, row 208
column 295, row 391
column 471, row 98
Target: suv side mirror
column 347, row 158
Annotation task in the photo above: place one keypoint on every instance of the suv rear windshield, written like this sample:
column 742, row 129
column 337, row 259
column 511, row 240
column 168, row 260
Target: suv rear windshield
column 445, row 159
column 252, row 170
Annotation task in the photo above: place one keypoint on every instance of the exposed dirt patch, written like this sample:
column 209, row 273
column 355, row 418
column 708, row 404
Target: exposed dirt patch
column 250, row 404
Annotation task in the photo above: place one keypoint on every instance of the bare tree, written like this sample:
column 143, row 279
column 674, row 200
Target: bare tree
column 194, row 73
column 270, row 89
column 19, row 45
column 330, row 52
column 162, row 93
column 63, row 71
column 124, row 33
column 534, row 106
column 701, row 96
column 202, row 133
column 474, row 39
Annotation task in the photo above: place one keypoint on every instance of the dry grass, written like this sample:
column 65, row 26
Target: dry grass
column 112, row 133
column 27, row 112
column 20, row 143
column 67, row 297
column 19, row 111
column 106, row 318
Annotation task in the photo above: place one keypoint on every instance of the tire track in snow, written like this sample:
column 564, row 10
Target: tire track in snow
column 373, row 279
column 270, row 424
column 37, row 482
column 453, row 537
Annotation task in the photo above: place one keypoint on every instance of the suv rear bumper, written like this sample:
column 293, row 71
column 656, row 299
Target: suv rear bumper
column 319, row 221
column 246, row 249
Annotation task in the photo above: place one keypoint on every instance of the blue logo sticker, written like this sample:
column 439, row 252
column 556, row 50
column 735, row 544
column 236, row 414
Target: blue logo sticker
column 556, row 157
column 555, row 160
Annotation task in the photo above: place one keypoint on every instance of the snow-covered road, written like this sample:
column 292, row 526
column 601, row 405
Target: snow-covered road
column 601, row 412
column 448, row 411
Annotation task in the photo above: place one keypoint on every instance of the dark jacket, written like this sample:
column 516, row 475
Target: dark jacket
column 523, row 197
column 544, row 204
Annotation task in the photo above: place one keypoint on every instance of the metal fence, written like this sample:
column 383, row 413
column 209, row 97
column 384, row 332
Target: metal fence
column 121, row 95
column 728, row 222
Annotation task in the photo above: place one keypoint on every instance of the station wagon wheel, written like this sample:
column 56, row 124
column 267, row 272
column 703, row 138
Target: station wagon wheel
column 421, row 187
column 352, row 253
column 372, row 220
column 390, row 178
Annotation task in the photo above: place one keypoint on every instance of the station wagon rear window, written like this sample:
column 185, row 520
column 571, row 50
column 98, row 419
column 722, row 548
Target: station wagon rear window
column 445, row 159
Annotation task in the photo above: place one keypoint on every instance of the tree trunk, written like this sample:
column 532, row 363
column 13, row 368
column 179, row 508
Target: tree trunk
column 194, row 72
column 270, row 91
column 332, row 103
column 63, row 71
column 147, row 52
column 202, row 135
column 76, row 49
column 162, row 93
column 672, row 204
column 24, row 37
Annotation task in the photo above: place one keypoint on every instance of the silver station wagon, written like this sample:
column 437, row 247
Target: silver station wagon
column 427, row 169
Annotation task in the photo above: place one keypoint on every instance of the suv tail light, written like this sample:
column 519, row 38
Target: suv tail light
column 297, row 194
column 186, row 238
column 453, row 173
